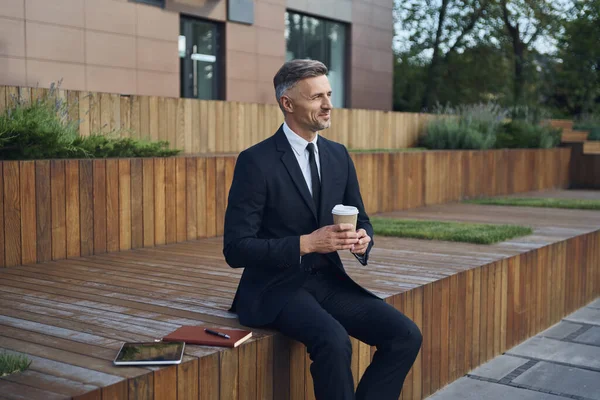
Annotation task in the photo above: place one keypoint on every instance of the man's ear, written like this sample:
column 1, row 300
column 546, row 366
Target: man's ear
column 287, row 104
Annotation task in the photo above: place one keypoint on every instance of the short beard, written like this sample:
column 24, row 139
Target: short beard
column 323, row 125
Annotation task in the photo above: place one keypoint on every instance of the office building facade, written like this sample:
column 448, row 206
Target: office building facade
column 205, row 49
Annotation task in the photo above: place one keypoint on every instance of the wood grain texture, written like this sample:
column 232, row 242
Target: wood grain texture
column 191, row 200
column 2, row 237
column 137, row 204
column 170, row 201
column 113, row 242
column 165, row 383
column 47, row 305
column 28, row 212
column 124, row 204
column 100, row 207
column 86, row 207
column 43, row 211
column 159, row 202
column 209, row 382
column 72, row 211
column 12, row 214
column 58, row 205
column 148, row 203
column 180, row 199
column 187, row 380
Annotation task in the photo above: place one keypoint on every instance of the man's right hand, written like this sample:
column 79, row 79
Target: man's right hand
column 329, row 239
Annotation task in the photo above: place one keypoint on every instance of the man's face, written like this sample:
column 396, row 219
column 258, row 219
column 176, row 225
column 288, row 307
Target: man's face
column 310, row 103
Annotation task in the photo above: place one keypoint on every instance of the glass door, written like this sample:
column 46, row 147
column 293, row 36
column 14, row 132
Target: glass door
column 201, row 67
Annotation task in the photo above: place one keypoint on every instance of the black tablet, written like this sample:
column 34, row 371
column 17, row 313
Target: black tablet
column 150, row 353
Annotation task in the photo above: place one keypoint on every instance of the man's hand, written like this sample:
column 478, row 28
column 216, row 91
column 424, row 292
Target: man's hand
column 329, row 239
column 363, row 242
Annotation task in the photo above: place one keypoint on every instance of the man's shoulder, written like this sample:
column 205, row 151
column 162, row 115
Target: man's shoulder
column 333, row 146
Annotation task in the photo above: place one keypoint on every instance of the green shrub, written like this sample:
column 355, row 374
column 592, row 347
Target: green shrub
column 594, row 134
column 41, row 130
column 12, row 363
column 470, row 127
column 520, row 134
column 587, row 122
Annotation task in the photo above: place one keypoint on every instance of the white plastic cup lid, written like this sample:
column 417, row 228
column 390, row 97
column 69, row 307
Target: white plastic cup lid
column 341, row 209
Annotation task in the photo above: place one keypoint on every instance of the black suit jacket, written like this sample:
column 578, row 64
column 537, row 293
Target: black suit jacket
column 269, row 208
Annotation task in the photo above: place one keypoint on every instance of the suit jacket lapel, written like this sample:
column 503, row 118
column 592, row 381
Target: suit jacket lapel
column 291, row 164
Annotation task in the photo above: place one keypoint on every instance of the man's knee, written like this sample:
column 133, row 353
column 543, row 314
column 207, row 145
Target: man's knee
column 408, row 338
column 333, row 343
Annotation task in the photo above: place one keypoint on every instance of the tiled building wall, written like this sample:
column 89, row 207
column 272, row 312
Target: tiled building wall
column 255, row 53
column 372, row 69
column 96, row 45
column 125, row 47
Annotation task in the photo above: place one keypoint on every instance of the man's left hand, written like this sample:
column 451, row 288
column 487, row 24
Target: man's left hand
column 363, row 243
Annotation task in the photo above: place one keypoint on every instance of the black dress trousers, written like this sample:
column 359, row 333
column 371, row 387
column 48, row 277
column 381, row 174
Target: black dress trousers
column 324, row 312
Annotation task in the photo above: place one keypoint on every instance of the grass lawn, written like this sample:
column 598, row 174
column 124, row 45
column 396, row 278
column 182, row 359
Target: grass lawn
column 451, row 231
column 11, row 363
column 540, row 202
column 387, row 150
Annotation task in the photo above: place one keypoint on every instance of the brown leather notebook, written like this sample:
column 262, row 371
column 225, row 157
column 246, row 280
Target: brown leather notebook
column 197, row 335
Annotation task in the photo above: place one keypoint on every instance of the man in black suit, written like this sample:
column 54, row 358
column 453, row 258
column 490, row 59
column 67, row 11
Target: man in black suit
column 279, row 228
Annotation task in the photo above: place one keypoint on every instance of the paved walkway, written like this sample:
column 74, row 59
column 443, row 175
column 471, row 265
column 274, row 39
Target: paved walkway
column 562, row 362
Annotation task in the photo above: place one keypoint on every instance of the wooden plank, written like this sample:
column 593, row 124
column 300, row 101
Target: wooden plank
column 72, row 212
column 137, row 210
column 445, row 332
column 58, row 207
column 297, row 372
column 148, row 201
column 453, row 323
column 248, row 372
column 211, row 188
column 170, row 201
column 159, row 201
column 281, row 367
column 100, row 207
column 180, row 199
column 84, row 113
column 309, row 385
column 187, row 380
column 7, row 388
column 264, row 368
column 117, row 391
column 165, row 383
column 112, row 206
column 12, row 214
column 136, row 118
column 125, row 205
column 141, row 387
column 86, row 207
column 28, row 213
column 154, row 124
column 191, row 198
column 220, row 195
column 429, row 330
column 209, row 377
column 418, row 320
column 475, row 352
column 2, row 255
column 201, row 196
column 43, row 211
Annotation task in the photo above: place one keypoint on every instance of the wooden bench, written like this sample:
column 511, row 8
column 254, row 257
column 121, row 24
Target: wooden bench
column 472, row 302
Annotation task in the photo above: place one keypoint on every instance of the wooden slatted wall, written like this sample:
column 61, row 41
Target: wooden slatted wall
column 200, row 126
column 56, row 209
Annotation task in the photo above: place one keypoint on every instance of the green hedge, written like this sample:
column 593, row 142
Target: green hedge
column 41, row 130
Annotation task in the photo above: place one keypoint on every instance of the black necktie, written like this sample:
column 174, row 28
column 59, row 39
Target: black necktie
column 314, row 176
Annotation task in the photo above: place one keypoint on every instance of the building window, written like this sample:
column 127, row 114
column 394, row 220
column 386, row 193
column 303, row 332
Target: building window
column 159, row 3
column 201, row 59
column 323, row 40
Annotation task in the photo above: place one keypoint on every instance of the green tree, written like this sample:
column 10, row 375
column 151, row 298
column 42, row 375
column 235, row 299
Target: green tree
column 576, row 88
column 437, row 30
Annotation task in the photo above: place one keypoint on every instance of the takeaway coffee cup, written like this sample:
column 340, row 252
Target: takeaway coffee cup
column 345, row 215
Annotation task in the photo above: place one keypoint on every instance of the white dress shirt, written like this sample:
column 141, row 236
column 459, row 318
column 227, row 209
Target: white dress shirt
column 299, row 144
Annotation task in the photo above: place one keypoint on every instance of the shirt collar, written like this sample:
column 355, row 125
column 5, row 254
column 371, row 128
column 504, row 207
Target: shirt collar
column 297, row 142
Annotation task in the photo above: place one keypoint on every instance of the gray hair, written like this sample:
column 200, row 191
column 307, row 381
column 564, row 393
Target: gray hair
column 293, row 72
